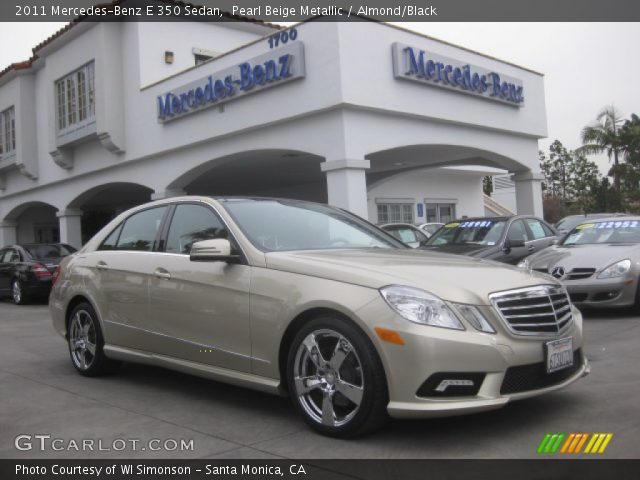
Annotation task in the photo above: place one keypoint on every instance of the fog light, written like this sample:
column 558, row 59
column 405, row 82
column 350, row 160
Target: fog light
column 444, row 384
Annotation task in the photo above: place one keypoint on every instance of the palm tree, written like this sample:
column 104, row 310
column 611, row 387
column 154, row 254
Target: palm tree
column 603, row 136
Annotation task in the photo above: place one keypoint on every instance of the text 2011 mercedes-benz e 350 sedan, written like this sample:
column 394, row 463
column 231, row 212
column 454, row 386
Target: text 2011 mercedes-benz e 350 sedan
column 291, row 296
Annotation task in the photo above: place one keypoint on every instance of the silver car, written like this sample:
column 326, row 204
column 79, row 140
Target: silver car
column 306, row 300
column 598, row 262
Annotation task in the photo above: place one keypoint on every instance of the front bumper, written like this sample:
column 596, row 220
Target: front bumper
column 431, row 350
column 594, row 292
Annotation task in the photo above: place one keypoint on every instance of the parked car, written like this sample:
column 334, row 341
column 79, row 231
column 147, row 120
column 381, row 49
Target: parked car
column 26, row 269
column 407, row 233
column 294, row 297
column 504, row 239
column 598, row 262
column 430, row 228
column 569, row 223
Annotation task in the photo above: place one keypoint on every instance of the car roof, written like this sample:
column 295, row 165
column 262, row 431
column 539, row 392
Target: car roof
column 612, row 219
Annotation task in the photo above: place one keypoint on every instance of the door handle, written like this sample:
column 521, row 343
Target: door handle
column 101, row 265
column 162, row 273
column 531, row 248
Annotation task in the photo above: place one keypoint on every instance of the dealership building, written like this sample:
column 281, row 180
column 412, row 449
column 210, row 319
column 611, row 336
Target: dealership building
column 387, row 123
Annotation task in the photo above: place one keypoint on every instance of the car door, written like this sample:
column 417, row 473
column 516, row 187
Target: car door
column 542, row 236
column 199, row 309
column 517, row 232
column 117, row 275
column 5, row 270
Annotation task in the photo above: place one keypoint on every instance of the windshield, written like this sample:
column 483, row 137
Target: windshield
column 622, row 231
column 282, row 225
column 472, row 232
column 45, row 251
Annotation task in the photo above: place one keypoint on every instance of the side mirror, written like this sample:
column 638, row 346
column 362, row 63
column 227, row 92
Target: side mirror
column 215, row 250
column 509, row 244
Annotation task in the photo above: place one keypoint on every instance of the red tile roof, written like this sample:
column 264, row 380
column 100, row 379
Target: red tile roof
column 28, row 63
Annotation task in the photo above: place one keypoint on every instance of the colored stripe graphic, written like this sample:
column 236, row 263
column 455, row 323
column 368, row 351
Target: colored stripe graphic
column 573, row 443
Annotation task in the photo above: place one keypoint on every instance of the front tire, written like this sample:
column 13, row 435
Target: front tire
column 86, row 343
column 336, row 379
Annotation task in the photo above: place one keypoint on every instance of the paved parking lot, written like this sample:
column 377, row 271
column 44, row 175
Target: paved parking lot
column 40, row 393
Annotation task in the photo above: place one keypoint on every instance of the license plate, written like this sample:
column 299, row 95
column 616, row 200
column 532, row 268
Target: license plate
column 559, row 354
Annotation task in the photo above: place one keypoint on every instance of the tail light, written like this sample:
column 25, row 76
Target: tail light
column 40, row 271
column 56, row 275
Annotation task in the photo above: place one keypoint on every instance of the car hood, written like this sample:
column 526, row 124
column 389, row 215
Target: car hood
column 468, row 249
column 451, row 277
column 583, row 256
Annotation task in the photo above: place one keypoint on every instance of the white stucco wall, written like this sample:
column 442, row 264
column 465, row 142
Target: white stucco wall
column 435, row 185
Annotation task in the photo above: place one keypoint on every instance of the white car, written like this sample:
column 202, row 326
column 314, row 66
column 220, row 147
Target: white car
column 430, row 228
column 407, row 233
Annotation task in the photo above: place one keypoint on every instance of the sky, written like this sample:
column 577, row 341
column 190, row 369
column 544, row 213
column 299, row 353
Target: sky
column 587, row 66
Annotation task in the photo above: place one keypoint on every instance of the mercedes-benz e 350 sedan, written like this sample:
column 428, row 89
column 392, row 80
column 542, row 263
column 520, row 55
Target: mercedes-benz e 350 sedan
column 301, row 298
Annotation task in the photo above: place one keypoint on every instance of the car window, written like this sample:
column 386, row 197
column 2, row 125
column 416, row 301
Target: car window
column 536, row 227
column 3, row 254
column 547, row 230
column 480, row 232
column 406, row 234
column 517, row 231
column 110, row 242
column 431, row 229
column 193, row 223
column 140, row 230
column 12, row 256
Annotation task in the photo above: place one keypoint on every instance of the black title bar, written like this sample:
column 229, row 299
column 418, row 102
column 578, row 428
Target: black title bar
column 339, row 10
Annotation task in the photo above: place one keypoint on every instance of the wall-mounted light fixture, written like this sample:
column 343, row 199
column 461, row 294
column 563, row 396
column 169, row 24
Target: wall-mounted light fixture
column 168, row 57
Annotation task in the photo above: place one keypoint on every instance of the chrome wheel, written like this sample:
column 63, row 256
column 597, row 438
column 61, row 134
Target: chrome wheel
column 16, row 291
column 328, row 378
column 82, row 339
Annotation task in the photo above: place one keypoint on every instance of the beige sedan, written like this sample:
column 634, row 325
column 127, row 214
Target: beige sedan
column 303, row 299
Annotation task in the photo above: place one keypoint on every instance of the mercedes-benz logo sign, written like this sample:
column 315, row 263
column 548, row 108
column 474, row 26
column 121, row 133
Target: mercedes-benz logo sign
column 557, row 272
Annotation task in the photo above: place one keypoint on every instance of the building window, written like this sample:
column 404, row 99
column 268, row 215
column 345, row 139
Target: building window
column 75, row 95
column 441, row 212
column 8, row 131
column 395, row 213
column 201, row 55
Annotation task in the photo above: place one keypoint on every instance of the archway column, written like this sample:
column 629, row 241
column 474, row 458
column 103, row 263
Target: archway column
column 529, row 193
column 70, row 227
column 8, row 233
column 168, row 193
column 347, row 184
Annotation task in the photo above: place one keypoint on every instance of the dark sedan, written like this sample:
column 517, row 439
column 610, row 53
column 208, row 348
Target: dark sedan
column 26, row 270
column 504, row 239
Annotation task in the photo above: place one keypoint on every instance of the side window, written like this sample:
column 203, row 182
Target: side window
column 536, row 228
column 517, row 231
column 3, row 254
column 12, row 256
column 548, row 232
column 109, row 243
column 190, row 224
column 140, row 230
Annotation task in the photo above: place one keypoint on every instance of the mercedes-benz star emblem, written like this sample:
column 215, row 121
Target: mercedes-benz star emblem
column 557, row 272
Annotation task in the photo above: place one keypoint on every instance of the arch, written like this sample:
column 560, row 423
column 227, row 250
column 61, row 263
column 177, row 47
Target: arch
column 126, row 193
column 14, row 214
column 268, row 172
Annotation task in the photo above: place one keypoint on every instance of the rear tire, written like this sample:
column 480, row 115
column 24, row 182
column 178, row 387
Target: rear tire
column 86, row 343
column 336, row 379
column 17, row 292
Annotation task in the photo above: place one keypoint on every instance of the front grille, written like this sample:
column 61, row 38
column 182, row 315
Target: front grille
column 534, row 376
column 580, row 273
column 544, row 309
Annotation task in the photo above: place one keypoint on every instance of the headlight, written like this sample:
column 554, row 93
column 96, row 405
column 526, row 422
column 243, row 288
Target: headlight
column 472, row 315
column 419, row 306
column 616, row 270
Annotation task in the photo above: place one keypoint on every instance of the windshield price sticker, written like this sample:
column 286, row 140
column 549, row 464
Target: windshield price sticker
column 618, row 224
column 477, row 223
column 452, row 225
